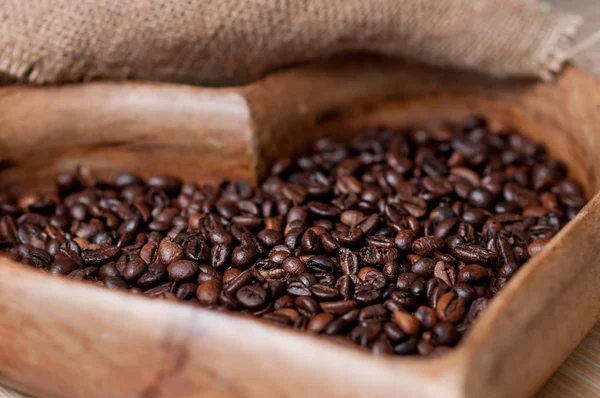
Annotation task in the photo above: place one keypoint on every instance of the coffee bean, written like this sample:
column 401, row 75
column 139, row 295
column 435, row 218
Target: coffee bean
column 476, row 308
column 114, row 282
column 473, row 273
column 108, row 270
column 466, row 292
column 134, row 269
column 251, row 297
column 407, row 347
column 293, row 266
column 471, row 253
column 444, row 333
column 367, row 296
column 63, row 266
column 169, row 251
column 100, row 256
column 407, row 323
column 338, row 308
column 182, row 269
column 244, row 255
column 426, row 316
column 424, row 267
column 450, row 307
column 208, row 293
column 171, row 185
column 324, row 292
column 536, row 246
column 427, row 245
column 322, row 209
column 319, row 322
column 307, row 306
column 445, row 272
column 153, row 276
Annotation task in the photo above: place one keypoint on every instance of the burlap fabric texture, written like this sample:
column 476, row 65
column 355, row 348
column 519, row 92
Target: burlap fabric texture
column 230, row 42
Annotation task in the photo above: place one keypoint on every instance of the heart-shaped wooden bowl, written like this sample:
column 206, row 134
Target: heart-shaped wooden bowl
column 61, row 338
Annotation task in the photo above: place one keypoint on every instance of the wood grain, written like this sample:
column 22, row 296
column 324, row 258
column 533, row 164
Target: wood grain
column 62, row 338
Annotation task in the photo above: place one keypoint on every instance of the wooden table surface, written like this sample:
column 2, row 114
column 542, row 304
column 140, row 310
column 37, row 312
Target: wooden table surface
column 579, row 375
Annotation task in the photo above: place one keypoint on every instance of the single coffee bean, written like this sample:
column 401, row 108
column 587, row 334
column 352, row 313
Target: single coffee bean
column 319, row 322
column 182, row 269
column 450, row 307
column 307, row 306
column 208, row 293
column 424, row 267
column 444, row 333
column 426, row 316
column 324, row 292
column 134, row 269
column 473, row 273
column 114, row 282
column 471, row 253
column 100, row 256
column 407, row 323
column 536, row 246
column 338, row 308
column 251, row 297
column 169, row 251
column 445, row 272
column 293, row 266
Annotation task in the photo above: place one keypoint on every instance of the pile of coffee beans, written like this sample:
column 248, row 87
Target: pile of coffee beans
column 395, row 241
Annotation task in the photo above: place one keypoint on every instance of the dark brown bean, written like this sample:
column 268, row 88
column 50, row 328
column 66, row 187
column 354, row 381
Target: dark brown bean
column 252, row 297
column 182, row 269
column 450, row 307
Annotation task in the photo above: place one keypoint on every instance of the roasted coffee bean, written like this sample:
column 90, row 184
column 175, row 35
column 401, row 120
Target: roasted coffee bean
column 243, row 256
column 407, row 323
column 324, row 292
column 252, row 297
column 114, row 282
column 169, row 184
column 108, row 270
column 346, row 285
column 444, row 333
column 64, row 266
column 426, row 316
column 424, row 267
column 153, row 276
column 427, row 245
column 471, row 253
column 407, row 347
column 450, row 307
column 473, row 274
column 395, row 242
column 208, row 292
column 466, row 292
column 338, row 308
column 476, row 308
column 319, row 322
column 307, row 306
column 100, row 256
column 367, row 296
column 536, row 246
column 169, row 251
column 134, row 269
column 293, row 266
column 182, row 269
column 322, row 209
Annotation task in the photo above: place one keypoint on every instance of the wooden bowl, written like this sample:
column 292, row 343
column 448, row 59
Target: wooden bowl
column 61, row 338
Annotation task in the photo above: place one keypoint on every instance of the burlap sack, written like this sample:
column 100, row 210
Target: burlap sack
column 228, row 42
